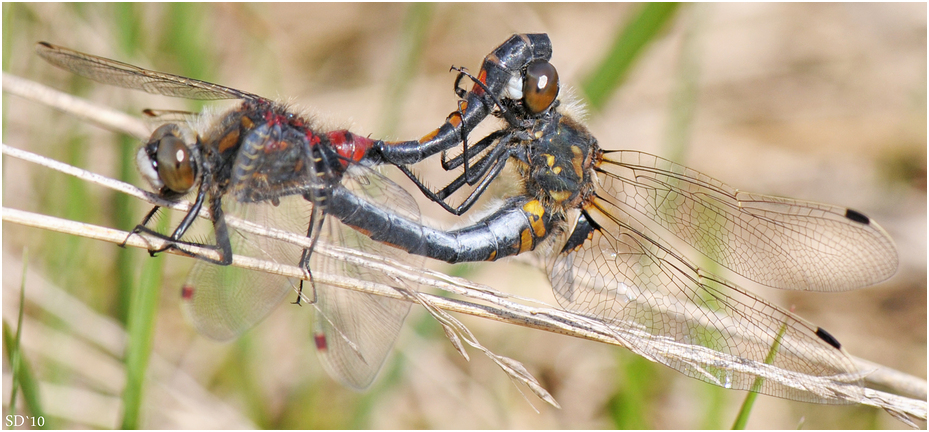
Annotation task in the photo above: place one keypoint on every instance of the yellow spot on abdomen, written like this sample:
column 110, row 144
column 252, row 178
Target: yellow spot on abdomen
column 535, row 211
column 525, row 241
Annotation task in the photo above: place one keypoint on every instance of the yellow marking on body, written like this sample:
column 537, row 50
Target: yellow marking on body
column 525, row 241
column 549, row 159
column 535, row 211
column 578, row 161
column 252, row 156
column 493, row 256
column 559, row 196
column 556, row 170
column 247, row 123
column 228, row 141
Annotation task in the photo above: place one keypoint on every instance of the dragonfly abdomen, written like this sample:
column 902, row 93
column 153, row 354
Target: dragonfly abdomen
column 518, row 226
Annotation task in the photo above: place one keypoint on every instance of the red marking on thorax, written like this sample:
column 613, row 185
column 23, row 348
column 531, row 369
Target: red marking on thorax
column 272, row 117
column 312, row 138
column 348, row 145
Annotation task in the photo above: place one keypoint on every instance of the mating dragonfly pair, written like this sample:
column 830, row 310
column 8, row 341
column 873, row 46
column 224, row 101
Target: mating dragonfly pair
column 593, row 212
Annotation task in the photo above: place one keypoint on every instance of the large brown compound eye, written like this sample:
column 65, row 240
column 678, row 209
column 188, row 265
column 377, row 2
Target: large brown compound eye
column 540, row 87
column 175, row 166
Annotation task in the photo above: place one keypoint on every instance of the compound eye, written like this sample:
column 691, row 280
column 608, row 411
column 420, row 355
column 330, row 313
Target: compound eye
column 175, row 166
column 540, row 88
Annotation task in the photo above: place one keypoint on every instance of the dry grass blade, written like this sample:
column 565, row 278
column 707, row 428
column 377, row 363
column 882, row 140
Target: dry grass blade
column 101, row 116
column 503, row 310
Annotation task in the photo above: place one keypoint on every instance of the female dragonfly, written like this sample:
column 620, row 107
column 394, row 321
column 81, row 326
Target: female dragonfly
column 262, row 162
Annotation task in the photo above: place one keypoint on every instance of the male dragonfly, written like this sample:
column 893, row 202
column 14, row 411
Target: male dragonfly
column 596, row 214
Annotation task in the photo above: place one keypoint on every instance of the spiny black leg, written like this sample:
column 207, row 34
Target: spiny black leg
column 497, row 156
column 482, row 165
column 148, row 217
column 492, row 168
column 179, row 246
column 182, row 228
column 491, row 165
column 463, row 138
column 223, row 246
column 313, row 230
column 459, row 91
column 476, row 149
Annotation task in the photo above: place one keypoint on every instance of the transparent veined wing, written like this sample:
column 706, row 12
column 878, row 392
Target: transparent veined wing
column 222, row 302
column 355, row 331
column 125, row 75
column 779, row 242
column 623, row 274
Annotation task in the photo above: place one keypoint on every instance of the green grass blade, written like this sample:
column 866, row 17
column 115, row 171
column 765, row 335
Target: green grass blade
column 125, row 219
column 416, row 24
column 142, row 308
column 742, row 419
column 642, row 29
column 683, row 104
column 629, row 407
column 187, row 41
column 15, row 353
column 23, row 378
column 128, row 20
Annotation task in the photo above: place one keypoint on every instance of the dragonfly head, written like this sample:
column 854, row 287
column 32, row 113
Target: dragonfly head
column 169, row 161
column 536, row 86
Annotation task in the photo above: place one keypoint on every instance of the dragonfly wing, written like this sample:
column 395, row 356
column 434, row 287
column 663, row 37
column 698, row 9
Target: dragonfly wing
column 356, row 331
column 625, row 276
column 774, row 241
column 121, row 74
column 224, row 301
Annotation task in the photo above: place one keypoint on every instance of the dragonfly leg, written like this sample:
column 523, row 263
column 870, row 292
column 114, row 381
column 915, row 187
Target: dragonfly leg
column 488, row 168
column 221, row 231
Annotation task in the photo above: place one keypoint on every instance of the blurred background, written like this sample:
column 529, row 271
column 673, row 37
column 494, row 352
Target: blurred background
column 823, row 102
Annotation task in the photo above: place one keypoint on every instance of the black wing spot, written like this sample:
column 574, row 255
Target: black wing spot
column 857, row 217
column 828, row 338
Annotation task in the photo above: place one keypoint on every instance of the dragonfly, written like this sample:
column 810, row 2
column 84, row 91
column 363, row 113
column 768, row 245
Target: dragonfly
column 262, row 162
column 595, row 215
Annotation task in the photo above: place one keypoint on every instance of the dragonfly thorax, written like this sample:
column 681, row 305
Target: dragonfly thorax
column 559, row 163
